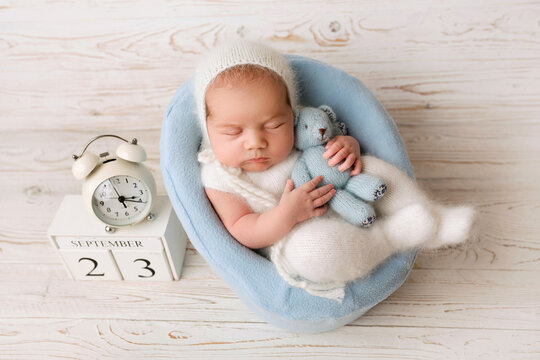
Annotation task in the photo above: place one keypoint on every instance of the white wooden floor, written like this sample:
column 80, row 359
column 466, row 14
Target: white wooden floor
column 460, row 78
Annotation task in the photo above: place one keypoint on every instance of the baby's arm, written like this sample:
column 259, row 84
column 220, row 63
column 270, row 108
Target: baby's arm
column 256, row 230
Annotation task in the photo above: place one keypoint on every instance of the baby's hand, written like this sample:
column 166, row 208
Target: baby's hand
column 306, row 201
column 344, row 147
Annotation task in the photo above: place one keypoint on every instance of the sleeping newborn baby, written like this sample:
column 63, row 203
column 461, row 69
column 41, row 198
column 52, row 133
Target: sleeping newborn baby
column 246, row 96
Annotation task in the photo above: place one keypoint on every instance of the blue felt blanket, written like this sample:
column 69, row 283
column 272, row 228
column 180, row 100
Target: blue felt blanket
column 252, row 277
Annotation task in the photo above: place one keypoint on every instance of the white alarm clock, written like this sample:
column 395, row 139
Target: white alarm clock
column 119, row 191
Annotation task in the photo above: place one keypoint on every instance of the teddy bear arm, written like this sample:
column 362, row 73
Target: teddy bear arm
column 300, row 174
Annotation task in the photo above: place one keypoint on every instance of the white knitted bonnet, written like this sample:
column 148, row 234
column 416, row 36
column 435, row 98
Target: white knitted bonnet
column 233, row 53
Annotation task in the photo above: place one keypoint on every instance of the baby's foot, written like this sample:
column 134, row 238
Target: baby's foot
column 454, row 226
column 410, row 227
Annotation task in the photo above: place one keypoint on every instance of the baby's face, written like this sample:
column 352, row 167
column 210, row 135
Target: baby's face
column 250, row 125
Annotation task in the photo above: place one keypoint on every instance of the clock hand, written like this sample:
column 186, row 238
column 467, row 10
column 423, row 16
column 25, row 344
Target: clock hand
column 122, row 200
column 137, row 201
column 110, row 182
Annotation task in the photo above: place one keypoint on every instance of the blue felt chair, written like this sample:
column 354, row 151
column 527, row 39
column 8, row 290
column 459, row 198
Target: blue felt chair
column 252, row 277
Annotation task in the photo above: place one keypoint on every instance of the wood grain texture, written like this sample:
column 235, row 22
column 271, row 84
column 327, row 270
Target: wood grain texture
column 113, row 339
column 461, row 80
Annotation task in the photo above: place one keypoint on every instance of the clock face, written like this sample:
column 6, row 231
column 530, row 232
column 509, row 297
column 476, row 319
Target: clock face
column 121, row 200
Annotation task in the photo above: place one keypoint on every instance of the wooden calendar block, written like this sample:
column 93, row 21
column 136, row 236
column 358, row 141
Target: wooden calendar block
column 91, row 265
column 151, row 265
column 150, row 250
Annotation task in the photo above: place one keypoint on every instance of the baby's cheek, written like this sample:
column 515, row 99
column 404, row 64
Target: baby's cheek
column 289, row 133
column 285, row 142
column 223, row 151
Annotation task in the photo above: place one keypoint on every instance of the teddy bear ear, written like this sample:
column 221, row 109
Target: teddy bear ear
column 296, row 116
column 328, row 110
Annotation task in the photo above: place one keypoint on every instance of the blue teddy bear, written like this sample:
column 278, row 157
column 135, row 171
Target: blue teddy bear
column 313, row 128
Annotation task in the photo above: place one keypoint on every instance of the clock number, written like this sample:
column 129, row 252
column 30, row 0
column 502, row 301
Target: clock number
column 108, row 209
column 117, row 180
column 94, row 268
column 141, row 192
column 101, row 203
column 127, row 182
column 134, row 185
column 127, row 214
column 136, row 209
column 147, row 267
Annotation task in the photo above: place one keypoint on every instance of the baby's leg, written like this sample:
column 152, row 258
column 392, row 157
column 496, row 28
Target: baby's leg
column 401, row 190
column 454, row 226
column 404, row 202
column 328, row 249
column 409, row 227
column 405, row 211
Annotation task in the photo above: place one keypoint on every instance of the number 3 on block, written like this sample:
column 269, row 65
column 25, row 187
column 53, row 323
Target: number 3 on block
column 148, row 265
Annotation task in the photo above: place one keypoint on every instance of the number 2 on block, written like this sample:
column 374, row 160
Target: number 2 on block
column 94, row 268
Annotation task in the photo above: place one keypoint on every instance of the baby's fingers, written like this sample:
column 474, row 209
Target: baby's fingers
column 319, row 211
column 330, row 142
column 331, row 149
column 323, row 199
column 318, row 192
column 341, row 154
column 357, row 168
column 311, row 184
column 289, row 186
column 347, row 163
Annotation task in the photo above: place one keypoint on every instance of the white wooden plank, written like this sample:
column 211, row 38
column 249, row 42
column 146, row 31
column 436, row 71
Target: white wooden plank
column 113, row 339
column 106, row 75
column 436, row 298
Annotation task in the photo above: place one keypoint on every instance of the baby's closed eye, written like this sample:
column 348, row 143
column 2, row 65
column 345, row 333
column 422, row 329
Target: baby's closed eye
column 231, row 131
column 274, row 124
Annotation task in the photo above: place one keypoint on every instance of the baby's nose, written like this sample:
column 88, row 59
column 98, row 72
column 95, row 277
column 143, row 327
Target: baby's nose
column 256, row 141
column 322, row 131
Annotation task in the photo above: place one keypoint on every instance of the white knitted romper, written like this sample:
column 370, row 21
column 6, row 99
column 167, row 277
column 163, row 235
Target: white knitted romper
column 321, row 254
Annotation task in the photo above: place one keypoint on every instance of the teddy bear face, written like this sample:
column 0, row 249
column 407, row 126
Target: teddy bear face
column 313, row 127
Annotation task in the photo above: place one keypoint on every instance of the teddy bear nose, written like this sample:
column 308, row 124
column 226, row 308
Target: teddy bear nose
column 322, row 131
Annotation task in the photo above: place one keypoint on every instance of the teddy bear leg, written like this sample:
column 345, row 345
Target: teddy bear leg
column 352, row 209
column 367, row 187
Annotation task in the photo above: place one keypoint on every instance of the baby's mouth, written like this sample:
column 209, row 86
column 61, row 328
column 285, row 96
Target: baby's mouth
column 259, row 159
